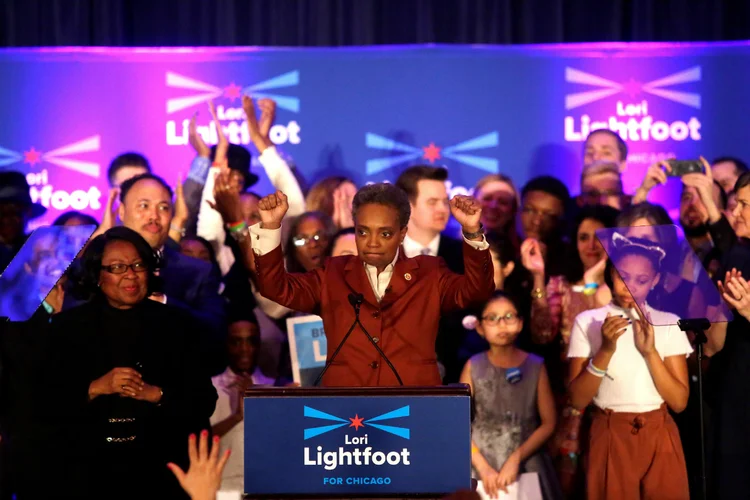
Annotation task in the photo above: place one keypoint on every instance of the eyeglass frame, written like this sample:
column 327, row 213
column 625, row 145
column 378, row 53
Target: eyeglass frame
column 510, row 319
column 132, row 266
column 301, row 241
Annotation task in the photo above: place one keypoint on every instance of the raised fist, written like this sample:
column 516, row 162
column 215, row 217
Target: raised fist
column 272, row 210
column 467, row 211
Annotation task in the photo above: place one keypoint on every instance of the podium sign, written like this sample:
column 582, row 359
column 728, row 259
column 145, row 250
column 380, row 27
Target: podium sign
column 356, row 442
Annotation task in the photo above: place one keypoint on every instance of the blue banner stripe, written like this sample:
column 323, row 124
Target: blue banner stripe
column 396, row 431
column 317, row 431
column 313, row 413
column 376, row 141
column 490, row 165
column 282, row 101
column 289, row 79
column 489, row 140
column 8, row 161
column 399, row 413
column 8, row 152
column 379, row 164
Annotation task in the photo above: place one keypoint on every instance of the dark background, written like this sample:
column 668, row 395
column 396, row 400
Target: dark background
column 365, row 22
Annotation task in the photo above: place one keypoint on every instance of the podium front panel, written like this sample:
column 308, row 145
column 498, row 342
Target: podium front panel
column 309, row 443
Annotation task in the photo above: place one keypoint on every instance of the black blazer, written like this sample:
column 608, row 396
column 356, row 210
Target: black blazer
column 169, row 351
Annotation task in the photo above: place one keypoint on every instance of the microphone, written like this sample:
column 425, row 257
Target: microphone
column 356, row 299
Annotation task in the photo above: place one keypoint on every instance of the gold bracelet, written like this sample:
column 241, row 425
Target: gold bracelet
column 538, row 293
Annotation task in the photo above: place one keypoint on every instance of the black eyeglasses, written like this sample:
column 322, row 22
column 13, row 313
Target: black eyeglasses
column 137, row 267
column 509, row 319
column 300, row 241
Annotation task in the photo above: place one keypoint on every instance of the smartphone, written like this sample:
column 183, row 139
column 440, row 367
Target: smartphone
column 682, row 167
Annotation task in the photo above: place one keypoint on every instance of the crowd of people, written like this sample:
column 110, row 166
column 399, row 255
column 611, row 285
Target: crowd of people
column 570, row 344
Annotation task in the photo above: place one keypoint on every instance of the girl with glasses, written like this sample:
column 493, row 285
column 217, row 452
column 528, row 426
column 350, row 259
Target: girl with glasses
column 515, row 409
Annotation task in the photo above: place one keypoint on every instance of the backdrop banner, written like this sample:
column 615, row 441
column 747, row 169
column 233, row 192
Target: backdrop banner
column 370, row 112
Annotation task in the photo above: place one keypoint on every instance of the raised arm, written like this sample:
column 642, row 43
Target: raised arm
column 459, row 291
column 278, row 171
column 299, row 291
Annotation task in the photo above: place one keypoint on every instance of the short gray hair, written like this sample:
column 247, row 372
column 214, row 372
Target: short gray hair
column 386, row 194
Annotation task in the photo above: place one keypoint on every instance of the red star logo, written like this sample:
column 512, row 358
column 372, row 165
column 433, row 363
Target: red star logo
column 431, row 152
column 356, row 422
column 32, row 156
column 632, row 88
column 233, row 91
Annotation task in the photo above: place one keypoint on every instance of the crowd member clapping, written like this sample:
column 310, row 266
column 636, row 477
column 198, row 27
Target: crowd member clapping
column 135, row 383
column 333, row 196
column 515, row 408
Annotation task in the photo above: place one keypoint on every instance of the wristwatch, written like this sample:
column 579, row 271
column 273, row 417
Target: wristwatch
column 471, row 236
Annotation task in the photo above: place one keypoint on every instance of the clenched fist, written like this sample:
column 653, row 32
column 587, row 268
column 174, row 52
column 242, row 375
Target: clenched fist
column 467, row 211
column 272, row 210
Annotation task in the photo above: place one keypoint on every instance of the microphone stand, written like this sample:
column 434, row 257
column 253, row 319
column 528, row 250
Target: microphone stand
column 699, row 327
column 356, row 299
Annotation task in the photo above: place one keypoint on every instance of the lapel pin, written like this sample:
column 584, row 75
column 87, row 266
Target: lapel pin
column 407, row 277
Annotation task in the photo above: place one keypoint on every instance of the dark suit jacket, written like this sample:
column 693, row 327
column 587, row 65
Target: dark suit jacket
column 405, row 322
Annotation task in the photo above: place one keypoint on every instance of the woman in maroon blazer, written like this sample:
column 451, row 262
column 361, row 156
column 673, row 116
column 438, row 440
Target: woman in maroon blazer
column 403, row 297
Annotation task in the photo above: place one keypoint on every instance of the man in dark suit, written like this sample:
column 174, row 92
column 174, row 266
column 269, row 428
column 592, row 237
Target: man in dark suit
column 403, row 298
column 428, row 198
column 146, row 207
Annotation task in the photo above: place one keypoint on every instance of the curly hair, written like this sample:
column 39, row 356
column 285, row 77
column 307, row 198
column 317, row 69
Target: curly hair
column 86, row 271
column 387, row 194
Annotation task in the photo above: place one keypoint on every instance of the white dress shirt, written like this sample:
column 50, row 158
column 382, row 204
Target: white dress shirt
column 412, row 248
column 266, row 240
column 226, row 405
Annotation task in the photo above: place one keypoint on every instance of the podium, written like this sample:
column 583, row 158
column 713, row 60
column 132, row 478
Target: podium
column 357, row 442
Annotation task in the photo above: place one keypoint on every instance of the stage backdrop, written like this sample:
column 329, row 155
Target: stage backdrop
column 368, row 113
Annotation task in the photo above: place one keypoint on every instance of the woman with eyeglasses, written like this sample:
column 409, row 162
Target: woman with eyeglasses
column 515, row 408
column 129, row 383
column 307, row 244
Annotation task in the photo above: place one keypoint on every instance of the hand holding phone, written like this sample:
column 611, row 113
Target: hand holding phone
column 683, row 167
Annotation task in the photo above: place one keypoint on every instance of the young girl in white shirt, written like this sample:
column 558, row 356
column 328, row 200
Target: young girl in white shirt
column 632, row 371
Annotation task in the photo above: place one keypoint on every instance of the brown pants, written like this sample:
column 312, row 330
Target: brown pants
column 634, row 456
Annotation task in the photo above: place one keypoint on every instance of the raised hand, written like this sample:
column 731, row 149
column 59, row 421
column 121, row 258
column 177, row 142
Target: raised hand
column 612, row 329
column 655, row 175
column 342, row 205
column 195, row 139
column 531, row 257
column 257, row 130
column 272, row 210
column 643, row 333
column 203, row 478
column 223, row 145
column 595, row 274
column 227, row 199
column 110, row 212
column 737, row 294
column 181, row 212
column 267, row 117
column 467, row 211
column 704, row 185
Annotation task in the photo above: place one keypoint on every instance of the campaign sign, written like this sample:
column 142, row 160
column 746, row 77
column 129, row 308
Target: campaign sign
column 307, row 348
column 365, row 442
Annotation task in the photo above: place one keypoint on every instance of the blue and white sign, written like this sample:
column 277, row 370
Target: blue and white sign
column 307, row 347
column 357, row 445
